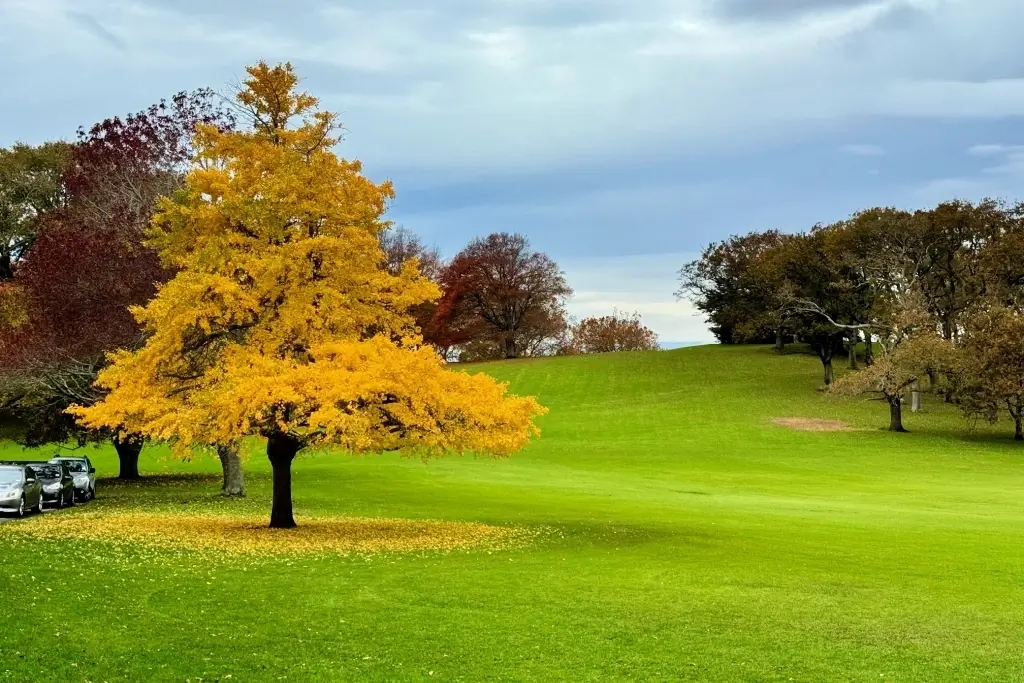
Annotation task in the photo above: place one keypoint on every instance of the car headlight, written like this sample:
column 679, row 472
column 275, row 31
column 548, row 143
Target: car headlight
column 13, row 492
column 51, row 488
column 82, row 480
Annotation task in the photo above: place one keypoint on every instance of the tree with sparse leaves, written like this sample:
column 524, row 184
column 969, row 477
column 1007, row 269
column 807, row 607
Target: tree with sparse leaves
column 281, row 321
column 608, row 333
column 910, row 349
column 988, row 367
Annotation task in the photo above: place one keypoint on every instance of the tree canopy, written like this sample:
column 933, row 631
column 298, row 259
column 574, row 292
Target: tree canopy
column 281, row 321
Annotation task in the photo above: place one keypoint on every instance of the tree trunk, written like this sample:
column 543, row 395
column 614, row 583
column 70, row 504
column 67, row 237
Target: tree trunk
column 869, row 353
column 281, row 450
column 780, row 343
column 933, row 381
column 6, row 269
column 896, row 416
column 853, row 354
column 829, row 372
column 1018, row 429
column 510, row 347
column 231, row 465
column 128, row 450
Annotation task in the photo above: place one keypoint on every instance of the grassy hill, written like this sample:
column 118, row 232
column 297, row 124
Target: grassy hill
column 683, row 535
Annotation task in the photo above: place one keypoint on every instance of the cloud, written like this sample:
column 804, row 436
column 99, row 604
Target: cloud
column 644, row 284
column 465, row 87
column 782, row 10
column 989, row 150
column 860, row 150
column 97, row 30
column 1001, row 176
column 1011, row 158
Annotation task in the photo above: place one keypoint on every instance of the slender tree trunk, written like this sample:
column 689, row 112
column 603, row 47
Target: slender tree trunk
column 510, row 347
column 231, row 466
column 780, row 343
column 933, row 381
column 6, row 269
column 896, row 416
column 281, row 450
column 853, row 353
column 869, row 353
column 1018, row 428
column 829, row 372
column 128, row 450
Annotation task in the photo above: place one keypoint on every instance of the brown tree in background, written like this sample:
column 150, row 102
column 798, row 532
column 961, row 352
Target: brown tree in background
column 910, row 351
column 401, row 245
column 988, row 367
column 608, row 333
column 498, row 292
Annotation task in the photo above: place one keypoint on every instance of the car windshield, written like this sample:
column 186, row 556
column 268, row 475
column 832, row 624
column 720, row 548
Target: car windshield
column 75, row 465
column 47, row 471
column 9, row 475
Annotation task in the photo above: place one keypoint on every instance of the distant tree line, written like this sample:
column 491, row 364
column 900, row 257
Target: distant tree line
column 926, row 299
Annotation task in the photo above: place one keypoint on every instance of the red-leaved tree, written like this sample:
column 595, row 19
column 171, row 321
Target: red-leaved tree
column 498, row 291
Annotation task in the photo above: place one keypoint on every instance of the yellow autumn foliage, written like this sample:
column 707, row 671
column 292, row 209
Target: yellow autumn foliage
column 280, row 320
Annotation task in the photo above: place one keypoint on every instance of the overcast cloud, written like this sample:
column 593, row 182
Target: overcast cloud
column 620, row 136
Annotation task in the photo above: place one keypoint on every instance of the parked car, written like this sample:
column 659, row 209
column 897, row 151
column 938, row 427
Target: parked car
column 83, row 473
column 20, row 489
column 58, row 484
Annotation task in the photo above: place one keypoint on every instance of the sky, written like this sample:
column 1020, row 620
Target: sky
column 620, row 136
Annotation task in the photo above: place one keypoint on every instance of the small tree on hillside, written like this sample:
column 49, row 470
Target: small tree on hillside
column 281, row 321
column 503, row 292
column 608, row 333
column 988, row 366
column 911, row 351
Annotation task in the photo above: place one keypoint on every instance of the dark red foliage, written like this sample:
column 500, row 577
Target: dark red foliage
column 88, row 263
column 120, row 166
column 498, row 289
column 80, row 281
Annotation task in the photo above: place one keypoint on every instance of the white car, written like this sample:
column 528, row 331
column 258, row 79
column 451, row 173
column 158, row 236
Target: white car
column 83, row 472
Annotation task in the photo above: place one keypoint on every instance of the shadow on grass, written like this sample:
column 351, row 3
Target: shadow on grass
column 158, row 480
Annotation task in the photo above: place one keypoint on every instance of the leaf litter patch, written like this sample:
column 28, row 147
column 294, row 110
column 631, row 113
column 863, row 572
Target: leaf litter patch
column 249, row 535
column 812, row 424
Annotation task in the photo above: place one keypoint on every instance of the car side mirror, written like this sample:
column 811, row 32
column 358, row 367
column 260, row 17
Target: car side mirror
column 92, row 470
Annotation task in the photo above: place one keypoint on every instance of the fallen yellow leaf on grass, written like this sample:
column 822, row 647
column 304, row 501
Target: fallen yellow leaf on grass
column 249, row 535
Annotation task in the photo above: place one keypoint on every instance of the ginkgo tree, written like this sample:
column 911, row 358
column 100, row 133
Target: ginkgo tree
column 281, row 321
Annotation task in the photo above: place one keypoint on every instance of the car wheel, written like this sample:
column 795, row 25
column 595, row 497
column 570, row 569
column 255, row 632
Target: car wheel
column 21, row 507
column 39, row 504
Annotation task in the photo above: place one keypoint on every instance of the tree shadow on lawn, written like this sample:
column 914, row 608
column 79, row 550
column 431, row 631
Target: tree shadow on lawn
column 162, row 480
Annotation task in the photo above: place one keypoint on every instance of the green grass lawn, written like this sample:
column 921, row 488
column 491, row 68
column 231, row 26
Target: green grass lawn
column 688, row 539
